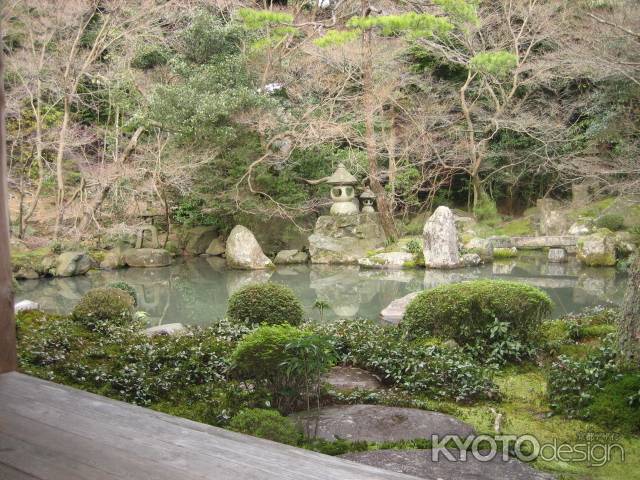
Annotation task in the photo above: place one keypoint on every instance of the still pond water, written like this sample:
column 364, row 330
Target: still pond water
column 195, row 291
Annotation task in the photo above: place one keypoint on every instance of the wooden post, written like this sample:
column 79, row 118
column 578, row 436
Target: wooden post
column 7, row 320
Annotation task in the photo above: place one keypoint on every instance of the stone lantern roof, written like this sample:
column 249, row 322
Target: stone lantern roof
column 342, row 177
column 367, row 194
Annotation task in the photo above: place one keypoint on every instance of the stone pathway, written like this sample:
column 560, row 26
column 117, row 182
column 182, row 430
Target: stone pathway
column 377, row 423
column 419, row 463
column 394, row 312
column 352, row 378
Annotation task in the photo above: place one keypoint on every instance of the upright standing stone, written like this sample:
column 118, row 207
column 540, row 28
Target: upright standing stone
column 441, row 240
column 244, row 252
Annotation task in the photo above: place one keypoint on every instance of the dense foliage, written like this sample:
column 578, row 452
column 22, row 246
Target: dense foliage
column 288, row 361
column 436, row 370
column 496, row 321
column 270, row 303
column 263, row 423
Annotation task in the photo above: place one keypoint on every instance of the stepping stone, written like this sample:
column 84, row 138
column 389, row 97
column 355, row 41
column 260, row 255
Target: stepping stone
column 419, row 463
column 376, row 423
column 352, row 378
column 394, row 312
column 168, row 329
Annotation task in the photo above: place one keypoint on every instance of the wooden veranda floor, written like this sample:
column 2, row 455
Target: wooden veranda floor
column 53, row 432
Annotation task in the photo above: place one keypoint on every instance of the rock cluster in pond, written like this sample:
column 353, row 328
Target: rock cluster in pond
column 420, row 463
column 216, row 247
column 243, row 251
column 70, row 264
column 387, row 260
column 376, row 423
column 291, row 257
column 344, row 239
column 351, row 378
column 597, row 249
column 198, row 239
column 441, row 240
column 147, row 257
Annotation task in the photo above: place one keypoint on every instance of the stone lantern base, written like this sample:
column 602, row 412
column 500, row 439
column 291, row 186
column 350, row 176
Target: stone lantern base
column 344, row 239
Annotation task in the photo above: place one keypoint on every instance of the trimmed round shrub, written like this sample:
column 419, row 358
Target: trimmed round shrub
column 125, row 287
column 269, row 303
column 285, row 360
column 104, row 306
column 611, row 221
column 263, row 423
column 479, row 314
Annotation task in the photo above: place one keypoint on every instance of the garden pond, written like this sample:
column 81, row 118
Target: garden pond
column 195, row 291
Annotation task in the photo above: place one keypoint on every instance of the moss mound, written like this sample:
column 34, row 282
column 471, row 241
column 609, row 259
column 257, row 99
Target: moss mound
column 269, row 303
column 101, row 307
column 468, row 311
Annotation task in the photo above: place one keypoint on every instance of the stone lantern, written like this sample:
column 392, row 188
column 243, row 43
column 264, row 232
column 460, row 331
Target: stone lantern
column 342, row 192
column 367, row 198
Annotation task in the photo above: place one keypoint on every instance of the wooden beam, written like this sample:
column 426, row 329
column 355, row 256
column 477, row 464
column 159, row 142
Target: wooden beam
column 7, row 320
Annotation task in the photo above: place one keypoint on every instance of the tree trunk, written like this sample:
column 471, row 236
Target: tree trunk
column 629, row 328
column 384, row 207
column 7, row 320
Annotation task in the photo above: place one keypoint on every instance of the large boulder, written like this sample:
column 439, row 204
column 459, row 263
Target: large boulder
column 198, row 239
column 441, row 240
column 70, row 264
column 345, row 239
column 376, row 423
column 291, row 257
column 147, row 257
column 597, row 249
column 449, row 465
column 388, row 260
column 244, row 252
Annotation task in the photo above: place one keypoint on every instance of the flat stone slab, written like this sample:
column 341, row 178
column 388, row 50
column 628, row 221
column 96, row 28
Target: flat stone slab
column 376, row 423
column 389, row 260
column 352, row 378
column 394, row 312
column 419, row 463
column 557, row 241
column 168, row 329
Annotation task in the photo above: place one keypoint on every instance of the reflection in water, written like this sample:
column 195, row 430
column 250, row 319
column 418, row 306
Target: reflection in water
column 196, row 291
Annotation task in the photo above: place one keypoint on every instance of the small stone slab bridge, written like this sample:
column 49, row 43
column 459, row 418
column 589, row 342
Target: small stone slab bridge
column 559, row 241
column 53, row 432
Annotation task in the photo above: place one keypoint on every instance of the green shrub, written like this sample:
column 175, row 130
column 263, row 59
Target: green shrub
column 102, row 307
column 125, row 287
column 610, row 221
column 486, row 211
column 269, row 424
column 494, row 320
column 434, row 370
column 617, row 405
column 286, row 360
column 499, row 253
column 571, row 384
column 269, row 303
column 149, row 56
column 414, row 247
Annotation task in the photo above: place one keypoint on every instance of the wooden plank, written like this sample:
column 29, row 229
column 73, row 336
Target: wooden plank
column 9, row 472
column 7, row 321
column 120, row 439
